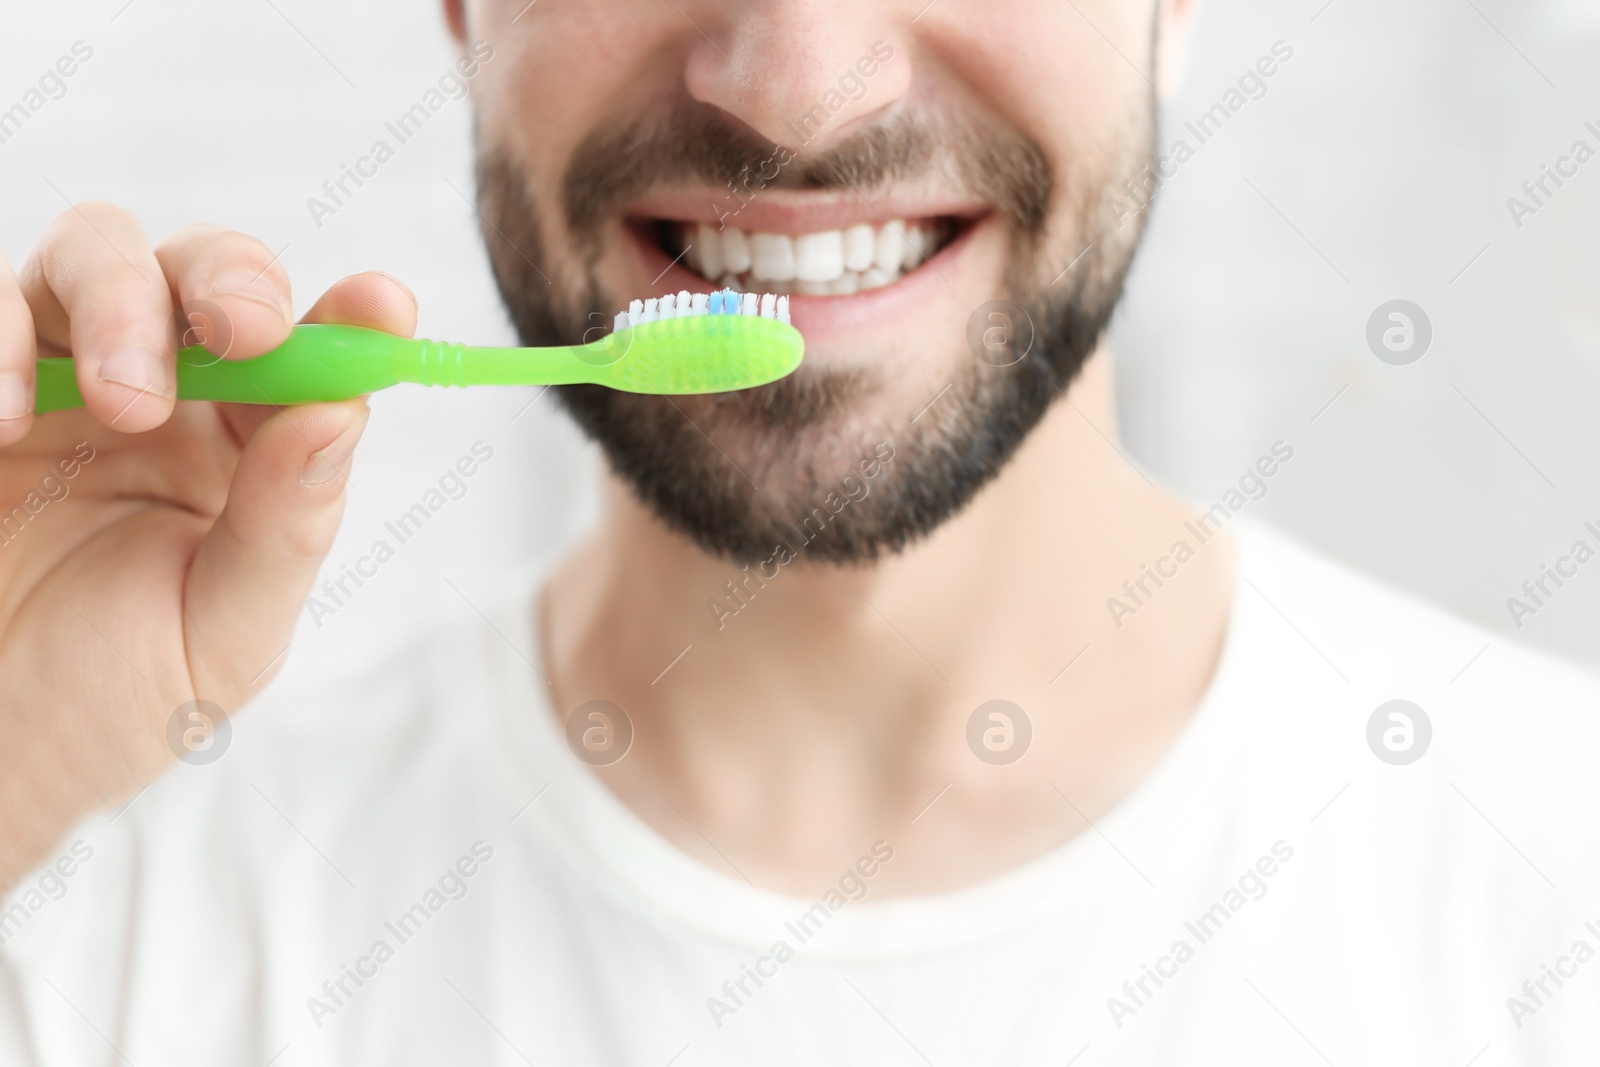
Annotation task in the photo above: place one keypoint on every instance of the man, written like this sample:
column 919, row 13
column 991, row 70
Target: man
column 888, row 716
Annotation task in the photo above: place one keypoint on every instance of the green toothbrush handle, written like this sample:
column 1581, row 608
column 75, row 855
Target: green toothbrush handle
column 328, row 362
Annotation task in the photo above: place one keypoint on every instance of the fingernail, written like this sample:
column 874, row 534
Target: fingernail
column 332, row 461
column 144, row 369
column 251, row 285
column 13, row 398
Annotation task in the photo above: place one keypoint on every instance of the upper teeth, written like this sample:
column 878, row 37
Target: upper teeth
column 832, row 262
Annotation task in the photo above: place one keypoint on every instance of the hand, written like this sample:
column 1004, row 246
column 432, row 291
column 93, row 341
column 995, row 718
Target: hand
column 151, row 553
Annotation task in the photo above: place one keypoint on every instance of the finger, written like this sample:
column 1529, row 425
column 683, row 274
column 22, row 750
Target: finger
column 231, row 292
column 374, row 300
column 254, row 568
column 96, row 290
column 17, row 355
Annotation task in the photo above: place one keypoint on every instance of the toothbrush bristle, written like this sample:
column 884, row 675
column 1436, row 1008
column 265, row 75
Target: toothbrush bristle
column 685, row 359
column 687, row 305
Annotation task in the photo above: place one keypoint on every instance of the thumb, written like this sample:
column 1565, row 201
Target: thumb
column 252, row 571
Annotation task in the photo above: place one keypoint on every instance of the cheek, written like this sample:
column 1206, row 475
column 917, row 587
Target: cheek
column 1043, row 67
column 561, row 73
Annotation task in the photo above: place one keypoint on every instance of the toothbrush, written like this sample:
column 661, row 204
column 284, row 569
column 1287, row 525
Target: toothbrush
column 700, row 343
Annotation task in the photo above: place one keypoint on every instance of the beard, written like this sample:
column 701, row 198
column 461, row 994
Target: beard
column 741, row 473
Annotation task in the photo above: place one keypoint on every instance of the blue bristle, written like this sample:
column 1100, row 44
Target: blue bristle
column 714, row 305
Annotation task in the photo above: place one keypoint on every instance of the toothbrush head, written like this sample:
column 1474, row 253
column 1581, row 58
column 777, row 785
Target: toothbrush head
column 698, row 343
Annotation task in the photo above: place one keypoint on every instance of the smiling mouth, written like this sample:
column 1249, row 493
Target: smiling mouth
column 843, row 262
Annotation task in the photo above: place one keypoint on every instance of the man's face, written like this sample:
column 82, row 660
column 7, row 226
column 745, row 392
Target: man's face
column 894, row 172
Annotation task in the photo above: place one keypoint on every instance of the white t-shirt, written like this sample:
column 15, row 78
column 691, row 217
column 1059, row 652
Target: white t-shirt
column 417, row 870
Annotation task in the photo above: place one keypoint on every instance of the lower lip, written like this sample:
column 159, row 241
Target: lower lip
column 828, row 318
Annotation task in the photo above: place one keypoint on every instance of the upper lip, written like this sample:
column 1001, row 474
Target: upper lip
column 792, row 212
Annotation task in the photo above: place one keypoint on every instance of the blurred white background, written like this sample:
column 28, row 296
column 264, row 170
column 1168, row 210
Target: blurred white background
column 1376, row 167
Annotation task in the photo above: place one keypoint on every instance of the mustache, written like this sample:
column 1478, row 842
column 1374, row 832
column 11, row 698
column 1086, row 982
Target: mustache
column 691, row 141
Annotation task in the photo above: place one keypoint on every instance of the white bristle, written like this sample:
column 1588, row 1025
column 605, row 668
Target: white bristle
column 685, row 304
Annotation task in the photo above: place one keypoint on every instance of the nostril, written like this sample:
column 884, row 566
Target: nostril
column 796, row 79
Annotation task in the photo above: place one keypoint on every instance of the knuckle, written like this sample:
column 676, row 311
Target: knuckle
column 83, row 236
column 205, row 248
column 196, row 239
column 187, row 239
column 99, row 213
column 255, row 252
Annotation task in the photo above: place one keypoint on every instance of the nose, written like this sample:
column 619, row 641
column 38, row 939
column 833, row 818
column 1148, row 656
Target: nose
column 801, row 73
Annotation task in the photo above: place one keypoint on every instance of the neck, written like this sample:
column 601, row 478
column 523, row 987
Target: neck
column 822, row 707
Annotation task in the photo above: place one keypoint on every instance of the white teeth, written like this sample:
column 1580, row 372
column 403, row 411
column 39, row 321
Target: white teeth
column 860, row 247
column 827, row 263
column 916, row 247
column 735, row 251
column 819, row 257
column 891, row 248
column 709, row 246
column 771, row 257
